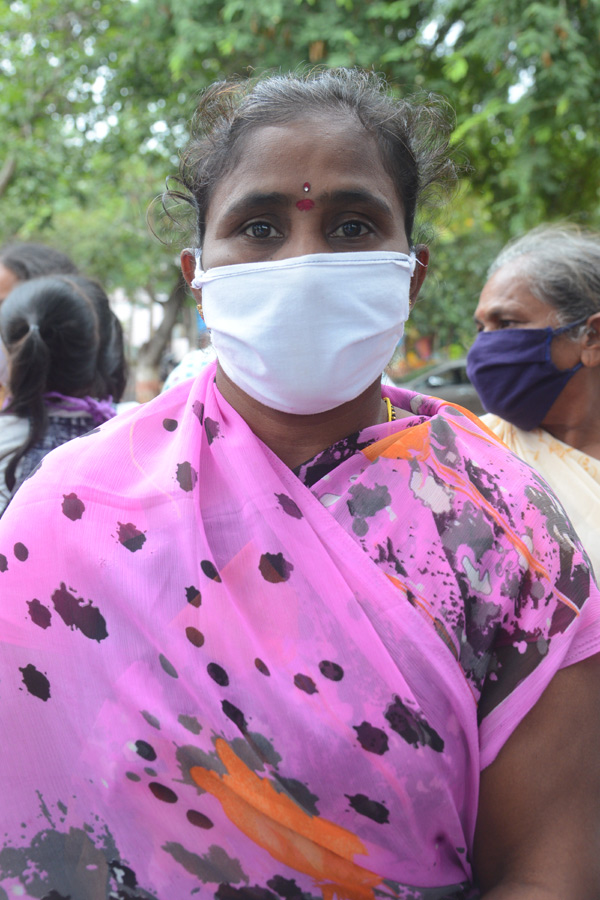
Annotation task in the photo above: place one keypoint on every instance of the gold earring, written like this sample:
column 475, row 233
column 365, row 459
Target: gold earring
column 199, row 308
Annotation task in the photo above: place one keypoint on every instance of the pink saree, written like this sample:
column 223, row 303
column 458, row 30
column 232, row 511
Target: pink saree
column 220, row 678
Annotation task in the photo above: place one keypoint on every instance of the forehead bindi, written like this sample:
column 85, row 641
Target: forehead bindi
column 316, row 151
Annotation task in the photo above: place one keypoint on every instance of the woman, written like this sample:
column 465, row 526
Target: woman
column 288, row 598
column 536, row 364
column 66, row 367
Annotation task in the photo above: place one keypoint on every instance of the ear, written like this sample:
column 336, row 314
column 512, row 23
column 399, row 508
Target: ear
column 188, row 267
column 590, row 342
column 418, row 276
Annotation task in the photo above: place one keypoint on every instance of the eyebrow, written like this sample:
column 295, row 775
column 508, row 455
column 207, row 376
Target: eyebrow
column 501, row 309
column 350, row 197
column 248, row 204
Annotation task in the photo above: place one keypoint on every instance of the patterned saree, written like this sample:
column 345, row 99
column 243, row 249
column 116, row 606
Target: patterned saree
column 220, row 678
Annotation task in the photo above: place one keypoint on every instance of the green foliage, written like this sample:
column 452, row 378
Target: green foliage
column 96, row 96
column 80, row 181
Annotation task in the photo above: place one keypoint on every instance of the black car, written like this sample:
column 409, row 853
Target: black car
column 447, row 380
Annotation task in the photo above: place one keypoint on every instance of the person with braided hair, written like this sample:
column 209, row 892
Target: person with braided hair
column 66, row 366
column 20, row 261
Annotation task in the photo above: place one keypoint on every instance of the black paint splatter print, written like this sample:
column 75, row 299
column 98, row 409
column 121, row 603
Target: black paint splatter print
column 131, row 537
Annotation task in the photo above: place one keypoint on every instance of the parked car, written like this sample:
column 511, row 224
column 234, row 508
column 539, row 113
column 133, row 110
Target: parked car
column 447, row 380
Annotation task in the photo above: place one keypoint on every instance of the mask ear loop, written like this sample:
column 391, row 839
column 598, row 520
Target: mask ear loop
column 570, row 325
column 412, row 260
column 553, row 332
column 198, row 272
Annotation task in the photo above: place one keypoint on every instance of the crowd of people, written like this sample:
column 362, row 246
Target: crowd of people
column 284, row 632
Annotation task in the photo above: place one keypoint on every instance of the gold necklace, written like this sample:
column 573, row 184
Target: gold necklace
column 391, row 412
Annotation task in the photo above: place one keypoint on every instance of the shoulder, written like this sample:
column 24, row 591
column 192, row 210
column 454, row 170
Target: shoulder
column 455, row 436
column 479, row 475
column 133, row 452
column 514, row 438
column 13, row 431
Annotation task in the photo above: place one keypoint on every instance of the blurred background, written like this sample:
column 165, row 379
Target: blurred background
column 95, row 98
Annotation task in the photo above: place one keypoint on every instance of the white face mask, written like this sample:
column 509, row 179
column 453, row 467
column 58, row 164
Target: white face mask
column 306, row 334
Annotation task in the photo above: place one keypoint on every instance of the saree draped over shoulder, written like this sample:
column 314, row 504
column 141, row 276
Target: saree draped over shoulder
column 573, row 476
column 219, row 681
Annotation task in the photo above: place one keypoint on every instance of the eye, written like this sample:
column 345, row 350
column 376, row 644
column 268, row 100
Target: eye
column 261, row 230
column 352, row 229
column 495, row 323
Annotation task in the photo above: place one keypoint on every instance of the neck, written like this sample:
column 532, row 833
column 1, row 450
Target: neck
column 574, row 419
column 295, row 439
column 584, row 437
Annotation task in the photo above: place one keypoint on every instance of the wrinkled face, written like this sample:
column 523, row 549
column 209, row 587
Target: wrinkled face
column 506, row 301
column 316, row 185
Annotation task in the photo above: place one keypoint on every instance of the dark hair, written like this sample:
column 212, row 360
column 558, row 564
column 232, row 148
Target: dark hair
column 412, row 133
column 28, row 260
column 60, row 335
column 561, row 264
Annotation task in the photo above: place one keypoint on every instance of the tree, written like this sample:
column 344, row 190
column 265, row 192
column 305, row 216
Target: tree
column 74, row 169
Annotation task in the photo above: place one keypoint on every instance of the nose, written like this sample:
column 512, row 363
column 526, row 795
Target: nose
column 306, row 235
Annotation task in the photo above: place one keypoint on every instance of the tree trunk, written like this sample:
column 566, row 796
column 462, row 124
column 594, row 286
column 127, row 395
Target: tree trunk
column 6, row 173
column 147, row 379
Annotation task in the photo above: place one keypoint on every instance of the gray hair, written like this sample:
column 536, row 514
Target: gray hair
column 561, row 264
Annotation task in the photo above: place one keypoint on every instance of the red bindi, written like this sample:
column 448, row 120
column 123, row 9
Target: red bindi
column 305, row 204
column 306, row 187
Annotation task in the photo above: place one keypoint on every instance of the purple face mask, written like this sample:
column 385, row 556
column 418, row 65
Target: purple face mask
column 514, row 375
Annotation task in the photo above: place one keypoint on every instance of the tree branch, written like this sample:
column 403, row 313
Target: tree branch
column 150, row 353
column 6, row 173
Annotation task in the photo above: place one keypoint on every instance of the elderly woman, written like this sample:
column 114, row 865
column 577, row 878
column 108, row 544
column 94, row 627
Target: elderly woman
column 536, row 364
column 278, row 635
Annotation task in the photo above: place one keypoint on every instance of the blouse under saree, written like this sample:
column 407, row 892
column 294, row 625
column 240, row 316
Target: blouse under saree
column 224, row 679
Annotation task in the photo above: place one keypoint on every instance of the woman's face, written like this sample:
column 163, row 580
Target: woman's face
column 506, row 301
column 316, row 185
